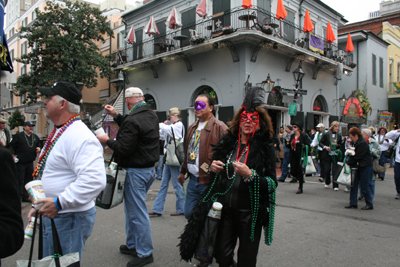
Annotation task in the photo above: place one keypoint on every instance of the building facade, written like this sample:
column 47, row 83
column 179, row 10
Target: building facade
column 175, row 66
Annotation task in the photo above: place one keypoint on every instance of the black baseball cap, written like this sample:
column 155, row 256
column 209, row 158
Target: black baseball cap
column 28, row 123
column 66, row 90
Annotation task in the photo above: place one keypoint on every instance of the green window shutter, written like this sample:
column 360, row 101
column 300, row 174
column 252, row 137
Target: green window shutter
column 373, row 69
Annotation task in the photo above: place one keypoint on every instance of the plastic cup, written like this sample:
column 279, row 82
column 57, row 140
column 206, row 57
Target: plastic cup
column 35, row 191
column 29, row 229
column 99, row 131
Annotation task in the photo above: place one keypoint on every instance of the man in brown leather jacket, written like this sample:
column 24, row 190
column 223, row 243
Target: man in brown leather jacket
column 202, row 135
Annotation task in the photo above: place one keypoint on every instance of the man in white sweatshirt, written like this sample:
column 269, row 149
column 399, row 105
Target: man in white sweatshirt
column 71, row 167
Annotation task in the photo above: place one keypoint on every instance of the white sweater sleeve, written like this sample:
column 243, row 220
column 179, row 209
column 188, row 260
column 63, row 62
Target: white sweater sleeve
column 179, row 129
column 88, row 165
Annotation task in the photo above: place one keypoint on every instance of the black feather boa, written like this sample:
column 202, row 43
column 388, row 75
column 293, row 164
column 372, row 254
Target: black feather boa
column 261, row 158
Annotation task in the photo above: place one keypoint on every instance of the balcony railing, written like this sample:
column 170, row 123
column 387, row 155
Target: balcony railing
column 239, row 19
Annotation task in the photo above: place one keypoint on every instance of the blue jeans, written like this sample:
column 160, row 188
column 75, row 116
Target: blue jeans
column 285, row 167
column 137, row 222
column 364, row 177
column 73, row 229
column 160, row 167
column 383, row 160
column 397, row 176
column 371, row 189
column 194, row 191
column 170, row 173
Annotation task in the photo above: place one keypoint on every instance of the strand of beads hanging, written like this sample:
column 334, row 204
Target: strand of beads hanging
column 48, row 146
column 237, row 160
column 109, row 128
column 214, row 196
column 137, row 105
column 255, row 203
column 251, row 177
column 26, row 138
column 269, row 230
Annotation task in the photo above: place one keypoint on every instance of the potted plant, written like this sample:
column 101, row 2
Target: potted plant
column 196, row 39
column 352, row 64
column 267, row 29
column 227, row 29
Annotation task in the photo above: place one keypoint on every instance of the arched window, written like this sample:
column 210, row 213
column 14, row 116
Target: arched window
column 150, row 101
column 320, row 104
column 204, row 90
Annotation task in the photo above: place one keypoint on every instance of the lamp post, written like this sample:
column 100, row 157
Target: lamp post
column 268, row 84
column 298, row 75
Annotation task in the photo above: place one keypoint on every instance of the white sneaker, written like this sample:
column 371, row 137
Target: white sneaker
column 346, row 189
column 336, row 189
column 327, row 186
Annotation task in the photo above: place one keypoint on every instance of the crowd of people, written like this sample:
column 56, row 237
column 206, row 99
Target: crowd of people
column 234, row 165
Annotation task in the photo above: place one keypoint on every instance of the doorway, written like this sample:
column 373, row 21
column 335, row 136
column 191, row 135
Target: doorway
column 275, row 118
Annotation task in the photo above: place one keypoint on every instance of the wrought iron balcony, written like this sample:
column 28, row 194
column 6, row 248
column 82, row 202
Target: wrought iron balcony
column 260, row 25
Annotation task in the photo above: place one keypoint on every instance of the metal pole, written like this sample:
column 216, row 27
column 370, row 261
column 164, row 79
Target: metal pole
column 337, row 97
column 123, row 95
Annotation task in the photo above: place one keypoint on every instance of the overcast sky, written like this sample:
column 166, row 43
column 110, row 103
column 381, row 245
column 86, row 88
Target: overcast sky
column 354, row 10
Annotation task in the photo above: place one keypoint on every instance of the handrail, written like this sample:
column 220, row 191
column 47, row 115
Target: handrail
column 284, row 29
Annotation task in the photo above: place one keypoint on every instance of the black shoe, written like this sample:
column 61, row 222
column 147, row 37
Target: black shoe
column 281, row 180
column 360, row 198
column 351, row 207
column 299, row 191
column 152, row 213
column 137, row 262
column 367, row 208
column 294, row 180
column 129, row 251
column 321, row 180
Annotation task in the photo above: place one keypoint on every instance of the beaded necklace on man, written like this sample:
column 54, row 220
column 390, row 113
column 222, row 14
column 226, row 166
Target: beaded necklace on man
column 193, row 155
column 319, row 135
column 137, row 105
column 50, row 142
column 26, row 138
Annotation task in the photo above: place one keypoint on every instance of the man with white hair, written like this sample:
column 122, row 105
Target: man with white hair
column 137, row 150
column 71, row 167
column 5, row 136
column 315, row 143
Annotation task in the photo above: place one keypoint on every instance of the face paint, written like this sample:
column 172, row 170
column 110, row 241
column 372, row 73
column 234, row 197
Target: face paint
column 253, row 117
column 199, row 105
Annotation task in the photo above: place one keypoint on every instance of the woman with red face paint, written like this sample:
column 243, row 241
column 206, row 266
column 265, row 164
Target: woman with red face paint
column 243, row 180
column 299, row 142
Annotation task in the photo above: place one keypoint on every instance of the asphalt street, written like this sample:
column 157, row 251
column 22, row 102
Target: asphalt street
column 311, row 229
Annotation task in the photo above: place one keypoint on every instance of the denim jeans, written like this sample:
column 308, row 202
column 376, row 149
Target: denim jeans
column 137, row 222
column 364, row 177
column 194, row 190
column 371, row 189
column 397, row 176
column 382, row 161
column 285, row 167
column 160, row 167
column 170, row 173
column 73, row 229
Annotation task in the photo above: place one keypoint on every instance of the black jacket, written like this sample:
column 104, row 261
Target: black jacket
column 22, row 146
column 363, row 157
column 261, row 158
column 295, row 153
column 326, row 141
column 137, row 144
column 11, row 225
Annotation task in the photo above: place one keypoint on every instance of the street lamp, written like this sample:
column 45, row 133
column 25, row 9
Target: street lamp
column 298, row 75
column 343, row 101
column 267, row 84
